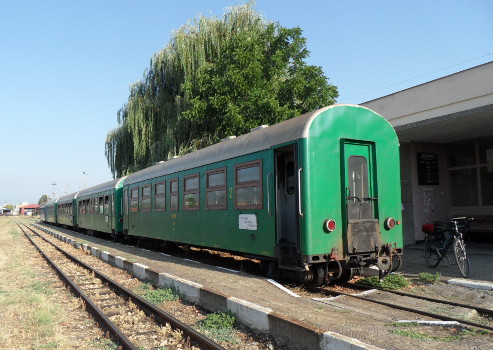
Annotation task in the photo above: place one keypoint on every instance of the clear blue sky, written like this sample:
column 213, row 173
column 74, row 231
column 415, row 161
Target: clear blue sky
column 66, row 67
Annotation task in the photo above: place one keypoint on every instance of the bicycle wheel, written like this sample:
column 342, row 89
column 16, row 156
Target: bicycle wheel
column 431, row 251
column 461, row 257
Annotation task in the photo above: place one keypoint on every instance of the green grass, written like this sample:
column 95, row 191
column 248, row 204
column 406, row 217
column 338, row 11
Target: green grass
column 41, row 288
column 105, row 344
column 411, row 333
column 423, row 336
column 429, row 277
column 219, row 326
column 49, row 345
column 389, row 282
column 157, row 296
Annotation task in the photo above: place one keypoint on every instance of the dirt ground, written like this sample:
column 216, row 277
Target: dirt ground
column 36, row 310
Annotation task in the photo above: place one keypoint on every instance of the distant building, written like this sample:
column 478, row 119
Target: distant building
column 29, row 210
column 445, row 128
column 4, row 211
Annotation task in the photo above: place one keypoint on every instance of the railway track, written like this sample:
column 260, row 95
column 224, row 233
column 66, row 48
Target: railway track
column 485, row 313
column 480, row 310
column 131, row 320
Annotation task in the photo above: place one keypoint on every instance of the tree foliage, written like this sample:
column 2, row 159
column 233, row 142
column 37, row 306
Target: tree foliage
column 43, row 199
column 215, row 78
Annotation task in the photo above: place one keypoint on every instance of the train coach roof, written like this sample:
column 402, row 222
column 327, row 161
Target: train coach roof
column 255, row 141
column 67, row 197
column 51, row 202
column 109, row 185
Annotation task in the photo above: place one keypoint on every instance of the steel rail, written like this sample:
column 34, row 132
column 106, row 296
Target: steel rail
column 92, row 308
column 424, row 313
column 201, row 340
column 480, row 310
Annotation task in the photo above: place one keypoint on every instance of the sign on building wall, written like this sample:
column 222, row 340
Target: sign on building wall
column 428, row 169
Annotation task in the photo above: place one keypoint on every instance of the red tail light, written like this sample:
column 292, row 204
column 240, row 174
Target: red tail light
column 329, row 225
column 389, row 223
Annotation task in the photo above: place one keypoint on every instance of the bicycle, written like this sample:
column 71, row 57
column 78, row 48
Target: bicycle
column 437, row 242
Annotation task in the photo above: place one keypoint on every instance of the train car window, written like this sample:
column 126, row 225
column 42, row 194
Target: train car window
column 216, row 189
column 173, row 195
column 145, row 199
column 106, row 204
column 159, row 196
column 112, row 204
column 101, row 205
column 125, row 202
column 248, row 184
column 134, row 200
column 358, row 176
column 191, row 192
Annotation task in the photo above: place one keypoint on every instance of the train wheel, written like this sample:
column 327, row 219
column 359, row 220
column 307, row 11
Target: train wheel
column 345, row 276
column 396, row 262
column 319, row 275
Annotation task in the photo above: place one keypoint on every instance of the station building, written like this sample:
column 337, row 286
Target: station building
column 29, row 209
column 445, row 128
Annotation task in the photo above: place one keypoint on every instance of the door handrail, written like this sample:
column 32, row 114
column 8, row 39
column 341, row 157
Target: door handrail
column 299, row 192
column 268, row 194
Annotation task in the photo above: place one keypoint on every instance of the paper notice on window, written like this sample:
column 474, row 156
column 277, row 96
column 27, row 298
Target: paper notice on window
column 247, row 222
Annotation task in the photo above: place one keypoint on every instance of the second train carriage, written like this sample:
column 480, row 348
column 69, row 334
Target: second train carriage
column 99, row 208
column 50, row 212
column 67, row 210
column 316, row 194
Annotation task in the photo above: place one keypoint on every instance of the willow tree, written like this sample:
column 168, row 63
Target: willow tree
column 215, row 78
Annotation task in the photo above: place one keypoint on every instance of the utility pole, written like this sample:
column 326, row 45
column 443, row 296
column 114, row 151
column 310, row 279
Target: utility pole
column 54, row 189
column 84, row 179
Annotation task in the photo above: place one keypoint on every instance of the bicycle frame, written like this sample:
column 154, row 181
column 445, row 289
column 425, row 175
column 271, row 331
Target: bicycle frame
column 437, row 244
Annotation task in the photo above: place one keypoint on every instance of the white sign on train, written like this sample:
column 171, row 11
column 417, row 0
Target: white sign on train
column 247, row 222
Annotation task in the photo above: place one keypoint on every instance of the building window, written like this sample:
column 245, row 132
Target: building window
column 173, row 195
column 191, row 190
column 248, row 184
column 145, row 199
column 216, row 189
column 159, row 196
column 134, row 200
column 470, row 171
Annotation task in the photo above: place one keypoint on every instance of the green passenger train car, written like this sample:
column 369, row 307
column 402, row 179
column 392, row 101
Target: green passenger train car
column 66, row 212
column 317, row 196
column 99, row 208
column 50, row 213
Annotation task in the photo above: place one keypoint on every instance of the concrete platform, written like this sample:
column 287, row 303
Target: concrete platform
column 481, row 265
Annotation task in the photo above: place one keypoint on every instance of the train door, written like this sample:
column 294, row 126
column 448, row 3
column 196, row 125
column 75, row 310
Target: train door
column 360, row 195
column 112, row 214
column 288, row 226
column 125, row 212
